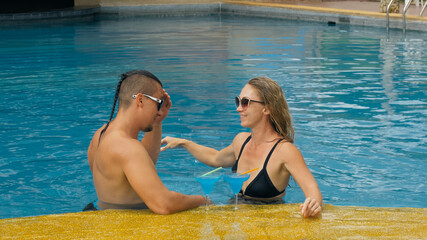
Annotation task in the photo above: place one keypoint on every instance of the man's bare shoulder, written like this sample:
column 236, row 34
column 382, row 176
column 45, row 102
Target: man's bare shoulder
column 123, row 149
column 93, row 147
column 95, row 138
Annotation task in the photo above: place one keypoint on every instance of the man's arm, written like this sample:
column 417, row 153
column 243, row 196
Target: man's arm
column 141, row 173
column 151, row 140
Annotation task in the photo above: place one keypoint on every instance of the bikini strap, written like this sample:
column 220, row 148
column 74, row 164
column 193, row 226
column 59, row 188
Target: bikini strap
column 243, row 146
column 271, row 152
column 234, row 168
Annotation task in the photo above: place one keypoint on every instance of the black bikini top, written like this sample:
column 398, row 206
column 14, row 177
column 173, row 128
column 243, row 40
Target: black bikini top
column 261, row 186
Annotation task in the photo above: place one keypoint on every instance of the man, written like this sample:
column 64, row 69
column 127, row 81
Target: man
column 123, row 167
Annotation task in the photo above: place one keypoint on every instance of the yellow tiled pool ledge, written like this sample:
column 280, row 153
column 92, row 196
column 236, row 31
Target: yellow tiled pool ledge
column 223, row 222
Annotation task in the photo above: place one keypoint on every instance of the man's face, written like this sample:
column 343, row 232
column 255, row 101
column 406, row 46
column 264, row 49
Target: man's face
column 153, row 105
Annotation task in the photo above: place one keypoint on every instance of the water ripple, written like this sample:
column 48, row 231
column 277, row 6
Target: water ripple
column 359, row 117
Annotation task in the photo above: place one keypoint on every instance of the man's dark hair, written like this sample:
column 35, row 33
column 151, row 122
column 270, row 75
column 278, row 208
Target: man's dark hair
column 135, row 82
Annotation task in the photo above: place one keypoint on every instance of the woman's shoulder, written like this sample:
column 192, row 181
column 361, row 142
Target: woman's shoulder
column 242, row 136
column 288, row 150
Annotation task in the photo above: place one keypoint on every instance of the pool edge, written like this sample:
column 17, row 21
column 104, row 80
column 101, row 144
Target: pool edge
column 281, row 221
column 271, row 10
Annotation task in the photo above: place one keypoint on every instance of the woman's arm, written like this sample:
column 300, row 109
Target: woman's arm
column 295, row 164
column 206, row 155
column 209, row 156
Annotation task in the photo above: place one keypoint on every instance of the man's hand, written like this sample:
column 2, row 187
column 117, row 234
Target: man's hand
column 164, row 111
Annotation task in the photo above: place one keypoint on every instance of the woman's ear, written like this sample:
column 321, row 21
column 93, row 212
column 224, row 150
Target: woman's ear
column 265, row 110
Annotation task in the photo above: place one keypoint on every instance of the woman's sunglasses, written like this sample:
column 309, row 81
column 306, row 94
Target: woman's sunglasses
column 244, row 102
column 158, row 101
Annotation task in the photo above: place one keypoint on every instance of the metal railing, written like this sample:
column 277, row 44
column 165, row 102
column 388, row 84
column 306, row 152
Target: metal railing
column 404, row 14
column 388, row 7
column 424, row 7
column 407, row 4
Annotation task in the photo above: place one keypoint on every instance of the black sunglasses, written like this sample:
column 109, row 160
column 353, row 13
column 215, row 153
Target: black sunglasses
column 158, row 101
column 244, row 102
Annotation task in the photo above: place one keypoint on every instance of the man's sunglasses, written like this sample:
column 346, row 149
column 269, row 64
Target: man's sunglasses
column 158, row 101
column 244, row 102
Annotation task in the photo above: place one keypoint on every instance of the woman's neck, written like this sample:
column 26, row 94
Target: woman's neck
column 263, row 134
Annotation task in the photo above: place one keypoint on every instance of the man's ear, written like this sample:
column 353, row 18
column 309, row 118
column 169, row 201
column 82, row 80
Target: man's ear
column 138, row 100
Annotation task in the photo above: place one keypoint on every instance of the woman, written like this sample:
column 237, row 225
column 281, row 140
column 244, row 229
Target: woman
column 269, row 147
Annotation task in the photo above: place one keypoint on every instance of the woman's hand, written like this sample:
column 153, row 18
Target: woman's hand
column 310, row 208
column 171, row 143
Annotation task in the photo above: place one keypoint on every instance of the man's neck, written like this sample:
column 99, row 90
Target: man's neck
column 124, row 123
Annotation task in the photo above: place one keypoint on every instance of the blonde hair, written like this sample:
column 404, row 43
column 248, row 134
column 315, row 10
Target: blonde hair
column 274, row 99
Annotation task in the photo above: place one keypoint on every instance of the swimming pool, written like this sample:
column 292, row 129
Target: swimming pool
column 357, row 97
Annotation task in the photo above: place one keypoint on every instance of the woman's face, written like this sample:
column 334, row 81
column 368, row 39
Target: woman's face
column 250, row 112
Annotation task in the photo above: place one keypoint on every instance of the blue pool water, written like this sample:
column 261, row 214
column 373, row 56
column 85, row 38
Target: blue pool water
column 358, row 100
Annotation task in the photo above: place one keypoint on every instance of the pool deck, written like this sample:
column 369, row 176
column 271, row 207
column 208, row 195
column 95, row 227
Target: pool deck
column 350, row 7
column 361, row 13
column 281, row 221
column 340, row 13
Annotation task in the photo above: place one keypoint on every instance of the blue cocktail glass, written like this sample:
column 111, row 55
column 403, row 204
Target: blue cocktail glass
column 207, row 183
column 236, row 181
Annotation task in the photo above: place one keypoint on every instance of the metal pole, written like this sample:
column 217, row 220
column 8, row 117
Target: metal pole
column 404, row 13
column 424, row 7
column 388, row 7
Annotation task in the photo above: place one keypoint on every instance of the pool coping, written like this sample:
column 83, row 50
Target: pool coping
column 283, row 11
column 54, row 14
column 327, row 15
column 246, row 8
